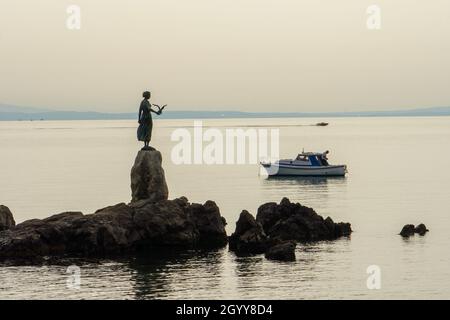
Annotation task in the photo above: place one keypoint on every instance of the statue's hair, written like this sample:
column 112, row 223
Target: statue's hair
column 145, row 93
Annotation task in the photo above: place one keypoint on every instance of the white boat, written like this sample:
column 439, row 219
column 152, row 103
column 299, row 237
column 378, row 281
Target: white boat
column 306, row 164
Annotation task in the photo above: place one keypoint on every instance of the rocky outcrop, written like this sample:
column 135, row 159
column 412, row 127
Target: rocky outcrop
column 292, row 221
column 117, row 230
column 249, row 237
column 148, row 181
column 6, row 218
column 150, row 221
column 284, row 251
column 277, row 227
column 409, row 230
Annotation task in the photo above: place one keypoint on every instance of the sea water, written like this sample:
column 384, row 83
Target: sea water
column 398, row 174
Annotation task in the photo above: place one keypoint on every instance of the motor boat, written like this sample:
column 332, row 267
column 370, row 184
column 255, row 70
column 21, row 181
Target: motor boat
column 305, row 164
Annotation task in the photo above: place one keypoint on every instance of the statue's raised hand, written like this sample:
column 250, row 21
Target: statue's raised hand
column 160, row 109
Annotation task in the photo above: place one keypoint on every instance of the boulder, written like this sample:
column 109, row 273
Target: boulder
column 407, row 231
column 292, row 221
column 249, row 236
column 209, row 223
column 283, row 251
column 421, row 229
column 6, row 218
column 148, row 181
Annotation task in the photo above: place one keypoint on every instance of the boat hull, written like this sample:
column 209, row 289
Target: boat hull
column 306, row 171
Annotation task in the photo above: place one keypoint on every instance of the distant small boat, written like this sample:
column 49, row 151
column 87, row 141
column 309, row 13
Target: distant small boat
column 306, row 164
column 322, row 124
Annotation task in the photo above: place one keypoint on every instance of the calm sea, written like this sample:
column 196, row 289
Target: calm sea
column 398, row 174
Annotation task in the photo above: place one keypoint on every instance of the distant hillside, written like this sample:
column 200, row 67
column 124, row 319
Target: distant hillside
column 13, row 109
column 63, row 115
column 15, row 113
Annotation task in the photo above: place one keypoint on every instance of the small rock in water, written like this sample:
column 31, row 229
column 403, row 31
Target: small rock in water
column 409, row 230
column 6, row 218
column 284, row 251
column 421, row 229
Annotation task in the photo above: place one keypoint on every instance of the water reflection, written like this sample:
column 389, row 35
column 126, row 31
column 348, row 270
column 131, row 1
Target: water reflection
column 297, row 188
column 175, row 273
column 303, row 181
column 247, row 266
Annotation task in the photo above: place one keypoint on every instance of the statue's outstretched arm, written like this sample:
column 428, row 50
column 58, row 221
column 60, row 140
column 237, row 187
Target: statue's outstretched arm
column 159, row 111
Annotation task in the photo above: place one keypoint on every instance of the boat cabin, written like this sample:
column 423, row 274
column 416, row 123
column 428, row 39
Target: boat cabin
column 311, row 159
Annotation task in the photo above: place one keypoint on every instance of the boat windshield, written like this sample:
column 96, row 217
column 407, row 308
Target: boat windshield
column 301, row 158
column 315, row 161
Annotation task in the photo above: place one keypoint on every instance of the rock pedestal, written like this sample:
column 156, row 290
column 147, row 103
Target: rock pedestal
column 148, row 181
column 6, row 218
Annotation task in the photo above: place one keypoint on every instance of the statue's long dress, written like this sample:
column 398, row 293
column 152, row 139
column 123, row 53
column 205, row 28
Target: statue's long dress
column 144, row 131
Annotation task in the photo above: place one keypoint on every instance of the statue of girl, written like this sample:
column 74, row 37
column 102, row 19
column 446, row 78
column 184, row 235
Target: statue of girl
column 144, row 131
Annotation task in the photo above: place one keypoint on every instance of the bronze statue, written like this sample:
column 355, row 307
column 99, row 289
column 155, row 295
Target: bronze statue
column 144, row 131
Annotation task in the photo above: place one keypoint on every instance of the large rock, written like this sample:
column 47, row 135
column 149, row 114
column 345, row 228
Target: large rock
column 6, row 218
column 292, row 221
column 249, row 237
column 210, row 224
column 148, row 181
column 117, row 230
column 284, row 251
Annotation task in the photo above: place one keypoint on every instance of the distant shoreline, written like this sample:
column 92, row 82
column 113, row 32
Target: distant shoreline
column 11, row 113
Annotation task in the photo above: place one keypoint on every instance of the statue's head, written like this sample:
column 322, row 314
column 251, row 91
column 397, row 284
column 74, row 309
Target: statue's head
column 146, row 94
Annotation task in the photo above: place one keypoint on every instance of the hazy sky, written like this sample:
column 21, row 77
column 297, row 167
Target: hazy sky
column 250, row 55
